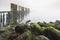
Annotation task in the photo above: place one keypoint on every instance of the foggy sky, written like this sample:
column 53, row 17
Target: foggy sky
column 40, row 10
column 44, row 10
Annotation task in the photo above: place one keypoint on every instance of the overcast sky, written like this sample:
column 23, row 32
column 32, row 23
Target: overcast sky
column 41, row 10
column 44, row 10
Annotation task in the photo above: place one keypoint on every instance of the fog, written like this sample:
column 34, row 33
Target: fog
column 40, row 10
column 44, row 10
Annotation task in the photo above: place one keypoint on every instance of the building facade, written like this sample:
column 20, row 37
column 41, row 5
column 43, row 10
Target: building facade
column 3, row 18
column 13, row 17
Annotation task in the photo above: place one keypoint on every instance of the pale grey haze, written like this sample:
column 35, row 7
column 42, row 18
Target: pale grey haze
column 40, row 10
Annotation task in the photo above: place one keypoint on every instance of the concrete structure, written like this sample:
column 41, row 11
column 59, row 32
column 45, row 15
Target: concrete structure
column 3, row 18
column 12, row 14
column 5, row 5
